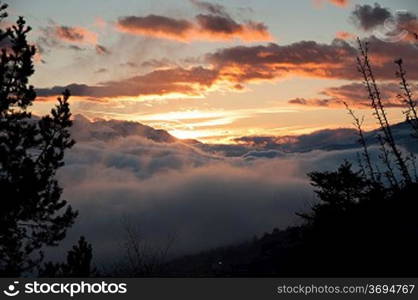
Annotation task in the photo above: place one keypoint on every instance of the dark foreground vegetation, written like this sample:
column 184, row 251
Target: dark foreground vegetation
column 363, row 224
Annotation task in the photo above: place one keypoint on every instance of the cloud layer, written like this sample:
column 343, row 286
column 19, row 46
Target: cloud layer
column 124, row 170
column 235, row 66
column 117, row 171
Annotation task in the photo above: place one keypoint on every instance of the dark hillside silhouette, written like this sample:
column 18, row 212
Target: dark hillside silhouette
column 365, row 223
column 32, row 213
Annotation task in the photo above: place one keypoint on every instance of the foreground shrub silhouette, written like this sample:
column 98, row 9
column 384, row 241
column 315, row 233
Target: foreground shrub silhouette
column 79, row 260
column 141, row 257
column 359, row 230
column 365, row 222
column 32, row 213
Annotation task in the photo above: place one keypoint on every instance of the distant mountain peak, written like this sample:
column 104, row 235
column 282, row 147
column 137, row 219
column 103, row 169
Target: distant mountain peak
column 100, row 129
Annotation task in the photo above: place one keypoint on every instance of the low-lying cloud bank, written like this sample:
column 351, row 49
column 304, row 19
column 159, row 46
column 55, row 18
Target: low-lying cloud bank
column 121, row 170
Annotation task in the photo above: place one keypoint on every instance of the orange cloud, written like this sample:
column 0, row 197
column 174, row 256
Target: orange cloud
column 100, row 23
column 344, row 35
column 340, row 3
column 157, row 26
column 233, row 67
column 203, row 27
column 306, row 58
column 175, row 81
column 310, row 59
column 37, row 58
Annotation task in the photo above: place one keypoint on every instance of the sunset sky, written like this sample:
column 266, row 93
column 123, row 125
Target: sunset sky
column 215, row 71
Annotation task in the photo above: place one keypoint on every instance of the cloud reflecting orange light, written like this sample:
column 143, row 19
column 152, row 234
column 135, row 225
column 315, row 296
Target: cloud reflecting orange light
column 203, row 27
column 340, row 3
column 344, row 35
column 229, row 69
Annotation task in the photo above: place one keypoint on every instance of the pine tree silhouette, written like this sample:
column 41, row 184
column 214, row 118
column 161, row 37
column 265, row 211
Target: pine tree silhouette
column 32, row 213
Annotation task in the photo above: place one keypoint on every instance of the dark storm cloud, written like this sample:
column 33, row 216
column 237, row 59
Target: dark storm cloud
column 368, row 17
